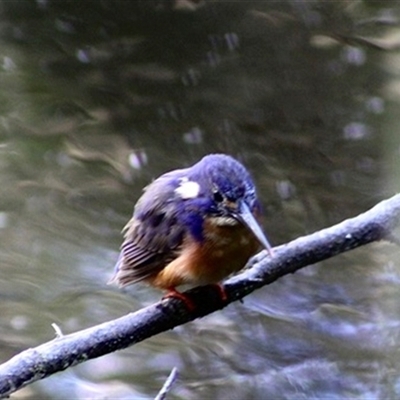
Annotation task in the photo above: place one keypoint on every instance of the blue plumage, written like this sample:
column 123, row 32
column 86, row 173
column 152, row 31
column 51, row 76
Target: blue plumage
column 193, row 208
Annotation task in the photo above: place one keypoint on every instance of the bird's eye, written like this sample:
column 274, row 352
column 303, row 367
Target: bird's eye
column 218, row 197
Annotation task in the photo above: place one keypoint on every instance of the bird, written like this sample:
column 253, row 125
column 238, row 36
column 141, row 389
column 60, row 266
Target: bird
column 192, row 226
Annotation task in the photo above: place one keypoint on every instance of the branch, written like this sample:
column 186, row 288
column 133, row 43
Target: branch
column 162, row 394
column 66, row 351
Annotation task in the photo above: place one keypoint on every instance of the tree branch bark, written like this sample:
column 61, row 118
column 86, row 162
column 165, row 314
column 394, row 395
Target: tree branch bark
column 69, row 350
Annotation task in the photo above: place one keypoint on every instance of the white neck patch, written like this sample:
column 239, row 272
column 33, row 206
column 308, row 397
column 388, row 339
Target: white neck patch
column 188, row 189
column 223, row 221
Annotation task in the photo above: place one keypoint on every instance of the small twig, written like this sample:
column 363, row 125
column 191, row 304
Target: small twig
column 57, row 330
column 167, row 385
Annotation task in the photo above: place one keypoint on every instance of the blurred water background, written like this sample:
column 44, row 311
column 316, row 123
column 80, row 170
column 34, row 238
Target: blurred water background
column 98, row 98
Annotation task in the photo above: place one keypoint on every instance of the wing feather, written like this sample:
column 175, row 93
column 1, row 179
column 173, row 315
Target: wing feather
column 153, row 236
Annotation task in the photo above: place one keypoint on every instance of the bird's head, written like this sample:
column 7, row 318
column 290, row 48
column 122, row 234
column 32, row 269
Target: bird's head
column 222, row 189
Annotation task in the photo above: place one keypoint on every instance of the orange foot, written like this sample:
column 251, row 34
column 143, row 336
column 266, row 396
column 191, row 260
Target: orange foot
column 221, row 291
column 172, row 292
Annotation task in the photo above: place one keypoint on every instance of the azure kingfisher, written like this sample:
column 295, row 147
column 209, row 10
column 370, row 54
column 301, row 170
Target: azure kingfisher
column 192, row 226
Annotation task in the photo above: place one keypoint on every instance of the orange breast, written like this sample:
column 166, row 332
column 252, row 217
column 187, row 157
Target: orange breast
column 226, row 249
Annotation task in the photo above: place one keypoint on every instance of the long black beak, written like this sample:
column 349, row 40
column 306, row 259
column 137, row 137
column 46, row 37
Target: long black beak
column 246, row 217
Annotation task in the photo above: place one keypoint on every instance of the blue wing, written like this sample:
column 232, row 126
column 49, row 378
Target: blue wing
column 154, row 235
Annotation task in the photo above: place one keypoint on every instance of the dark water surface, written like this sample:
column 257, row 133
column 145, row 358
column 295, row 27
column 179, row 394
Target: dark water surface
column 98, row 98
